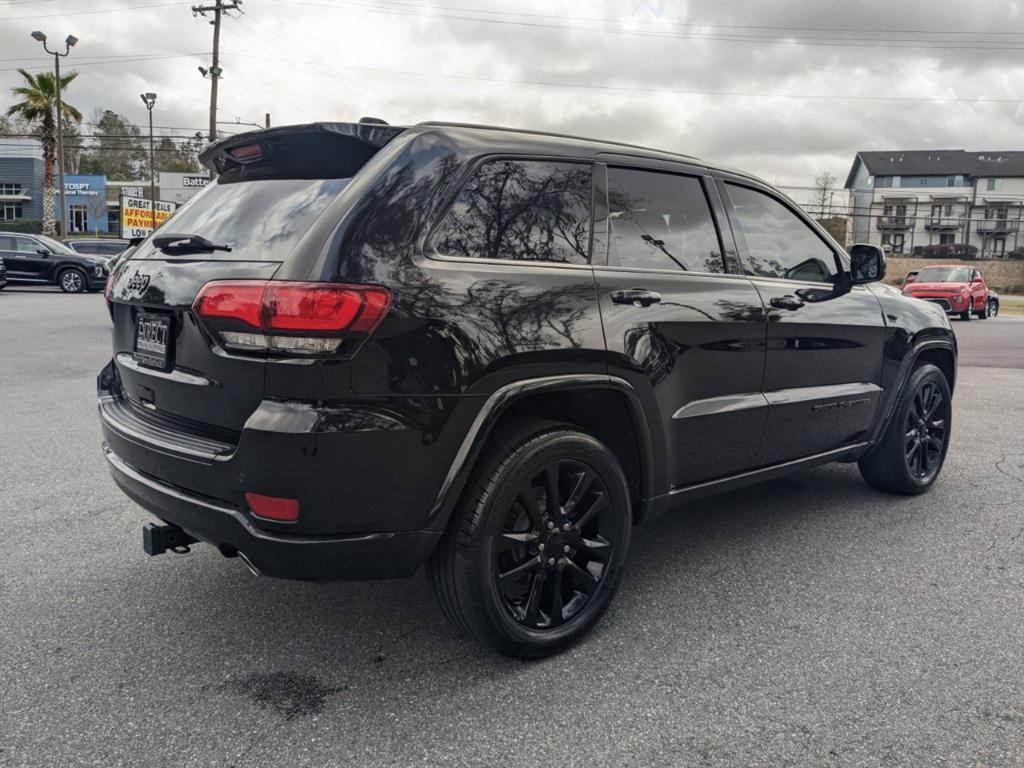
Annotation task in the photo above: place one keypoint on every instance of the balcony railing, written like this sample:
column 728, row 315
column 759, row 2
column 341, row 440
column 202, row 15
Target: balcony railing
column 998, row 225
column 895, row 222
column 943, row 222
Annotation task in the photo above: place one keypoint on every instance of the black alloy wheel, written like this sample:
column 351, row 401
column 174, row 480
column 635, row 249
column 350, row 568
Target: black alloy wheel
column 912, row 449
column 926, row 431
column 552, row 553
column 534, row 551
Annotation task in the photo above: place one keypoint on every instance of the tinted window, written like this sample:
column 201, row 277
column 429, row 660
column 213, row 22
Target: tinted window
column 261, row 220
column 527, row 210
column 778, row 243
column 660, row 221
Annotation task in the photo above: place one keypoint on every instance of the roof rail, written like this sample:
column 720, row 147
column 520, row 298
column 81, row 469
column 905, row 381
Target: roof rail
column 446, row 124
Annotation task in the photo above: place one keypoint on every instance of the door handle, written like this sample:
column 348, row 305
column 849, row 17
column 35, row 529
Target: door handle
column 786, row 302
column 638, row 297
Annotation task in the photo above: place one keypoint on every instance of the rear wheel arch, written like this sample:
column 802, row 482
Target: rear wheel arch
column 605, row 407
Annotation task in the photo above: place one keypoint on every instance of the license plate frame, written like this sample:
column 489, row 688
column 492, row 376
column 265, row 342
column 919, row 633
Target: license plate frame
column 153, row 341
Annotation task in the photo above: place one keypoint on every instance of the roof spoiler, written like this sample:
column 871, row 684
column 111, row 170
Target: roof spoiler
column 300, row 151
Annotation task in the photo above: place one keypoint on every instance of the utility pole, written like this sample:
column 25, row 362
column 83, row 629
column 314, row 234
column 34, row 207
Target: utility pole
column 214, row 72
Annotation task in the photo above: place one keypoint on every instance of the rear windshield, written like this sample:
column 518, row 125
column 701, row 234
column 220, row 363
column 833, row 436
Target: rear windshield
column 261, row 220
column 943, row 275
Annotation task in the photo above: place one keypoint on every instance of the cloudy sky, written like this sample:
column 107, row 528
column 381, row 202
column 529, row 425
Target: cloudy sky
column 783, row 88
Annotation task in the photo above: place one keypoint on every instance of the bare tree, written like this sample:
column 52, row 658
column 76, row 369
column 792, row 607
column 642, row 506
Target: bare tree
column 824, row 188
column 96, row 207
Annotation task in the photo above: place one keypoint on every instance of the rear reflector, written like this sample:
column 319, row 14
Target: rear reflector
column 290, row 317
column 275, row 508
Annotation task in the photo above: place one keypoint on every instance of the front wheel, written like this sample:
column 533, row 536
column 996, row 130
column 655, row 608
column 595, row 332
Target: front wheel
column 72, row 280
column 993, row 308
column 534, row 551
column 913, row 447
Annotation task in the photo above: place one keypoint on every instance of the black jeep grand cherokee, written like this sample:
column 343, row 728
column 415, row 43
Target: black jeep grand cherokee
column 365, row 348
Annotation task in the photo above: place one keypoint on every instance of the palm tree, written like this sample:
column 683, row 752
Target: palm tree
column 39, row 107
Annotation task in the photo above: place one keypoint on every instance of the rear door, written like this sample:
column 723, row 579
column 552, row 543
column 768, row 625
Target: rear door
column 9, row 254
column 682, row 326
column 822, row 371
column 21, row 254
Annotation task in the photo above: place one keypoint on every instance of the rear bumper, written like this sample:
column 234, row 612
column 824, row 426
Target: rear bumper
column 308, row 558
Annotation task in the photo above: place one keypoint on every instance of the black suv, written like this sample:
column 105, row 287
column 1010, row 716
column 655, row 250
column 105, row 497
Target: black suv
column 364, row 348
column 37, row 259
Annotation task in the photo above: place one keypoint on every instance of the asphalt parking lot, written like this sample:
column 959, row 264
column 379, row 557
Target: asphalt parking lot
column 805, row 622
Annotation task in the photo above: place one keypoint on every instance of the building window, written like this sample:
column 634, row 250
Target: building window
column 10, row 210
column 114, row 220
column 897, row 243
column 990, row 185
column 883, row 181
column 999, row 246
column 947, row 238
column 995, row 212
column 78, row 218
column 7, row 188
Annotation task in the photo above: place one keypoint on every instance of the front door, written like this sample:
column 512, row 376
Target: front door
column 824, row 338
column 686, row 332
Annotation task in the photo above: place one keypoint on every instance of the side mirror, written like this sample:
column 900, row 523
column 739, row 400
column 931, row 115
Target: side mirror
column 867, row 263
column 976, row 279
column 44, row 252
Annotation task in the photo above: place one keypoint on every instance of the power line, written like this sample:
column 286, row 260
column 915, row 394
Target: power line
column 116, row 9
column 419, row 13
column 693, row 25
column 154, row 57
column 675, row 91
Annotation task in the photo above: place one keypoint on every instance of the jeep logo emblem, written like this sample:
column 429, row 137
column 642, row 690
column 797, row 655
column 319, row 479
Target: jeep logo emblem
column 138, row 283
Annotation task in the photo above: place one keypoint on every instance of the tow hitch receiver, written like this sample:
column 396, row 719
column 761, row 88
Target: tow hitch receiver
column 157, row 539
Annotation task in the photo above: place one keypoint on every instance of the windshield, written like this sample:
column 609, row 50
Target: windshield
column 53, row 245
column 260, row 220
column 944, row 275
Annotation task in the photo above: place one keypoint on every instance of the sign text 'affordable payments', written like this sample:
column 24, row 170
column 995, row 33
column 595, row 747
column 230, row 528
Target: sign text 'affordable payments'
column 137, row 216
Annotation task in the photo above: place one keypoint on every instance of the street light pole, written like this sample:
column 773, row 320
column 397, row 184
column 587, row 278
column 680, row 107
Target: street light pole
column 149, row 99
column 69, row 42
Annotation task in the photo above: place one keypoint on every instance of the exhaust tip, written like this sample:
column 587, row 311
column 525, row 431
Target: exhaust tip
column 248, row 564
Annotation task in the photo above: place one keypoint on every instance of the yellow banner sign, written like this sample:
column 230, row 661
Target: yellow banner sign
column 137, row 215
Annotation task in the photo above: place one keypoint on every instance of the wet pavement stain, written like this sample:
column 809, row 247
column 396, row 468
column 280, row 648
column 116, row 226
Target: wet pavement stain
column 287, row 693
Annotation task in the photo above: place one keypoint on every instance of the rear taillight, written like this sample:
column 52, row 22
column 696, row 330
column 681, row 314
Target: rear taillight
column 291, row 318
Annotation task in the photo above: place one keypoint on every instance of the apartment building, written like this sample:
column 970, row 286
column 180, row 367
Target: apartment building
column 938, row 202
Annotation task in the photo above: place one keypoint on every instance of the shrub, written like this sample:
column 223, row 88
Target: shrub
column 28, row 226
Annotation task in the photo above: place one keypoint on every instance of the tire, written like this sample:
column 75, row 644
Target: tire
column 966, row 315
column 902, row 462
column 983, row 312
column 71, row 280
column 504, row 558
column 993, row 308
